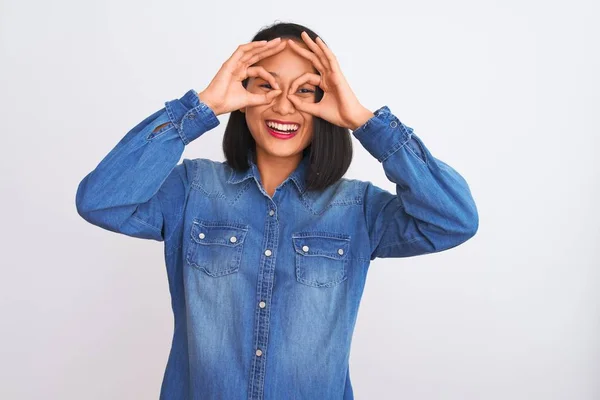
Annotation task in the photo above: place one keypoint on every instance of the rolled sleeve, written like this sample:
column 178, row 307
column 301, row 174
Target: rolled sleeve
column 190, row 116
column 383, row 134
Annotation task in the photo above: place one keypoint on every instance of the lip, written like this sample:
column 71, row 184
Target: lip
column 281, row 135
column 281, row 122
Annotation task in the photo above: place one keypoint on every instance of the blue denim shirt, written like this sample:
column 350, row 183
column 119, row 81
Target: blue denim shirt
column 265, row 290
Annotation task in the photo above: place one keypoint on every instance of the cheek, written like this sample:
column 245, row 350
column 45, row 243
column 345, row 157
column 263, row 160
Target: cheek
column 253, row 118
column 309, row 132
column 309, row 123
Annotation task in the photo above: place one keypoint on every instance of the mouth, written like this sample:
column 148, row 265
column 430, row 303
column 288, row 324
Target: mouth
column 282, row 129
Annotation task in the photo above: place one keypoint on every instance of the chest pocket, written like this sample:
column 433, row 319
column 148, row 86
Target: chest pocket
column 216, row 247
column 321, row 258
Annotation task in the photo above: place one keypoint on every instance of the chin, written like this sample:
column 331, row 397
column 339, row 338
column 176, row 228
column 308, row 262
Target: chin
column 279, row 150
column 282, row 152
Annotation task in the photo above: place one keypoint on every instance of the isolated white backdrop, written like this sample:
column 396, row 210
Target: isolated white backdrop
column 505, row 92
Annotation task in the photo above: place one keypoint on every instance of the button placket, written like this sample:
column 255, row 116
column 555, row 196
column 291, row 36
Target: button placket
column 262, row 318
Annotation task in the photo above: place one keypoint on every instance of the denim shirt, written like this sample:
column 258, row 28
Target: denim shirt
column 265, row 290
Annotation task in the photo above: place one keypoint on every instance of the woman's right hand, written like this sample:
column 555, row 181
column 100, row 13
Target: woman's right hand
column 225, row 93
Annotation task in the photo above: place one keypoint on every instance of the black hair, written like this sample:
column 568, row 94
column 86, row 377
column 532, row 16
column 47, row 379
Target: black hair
column 330, row 151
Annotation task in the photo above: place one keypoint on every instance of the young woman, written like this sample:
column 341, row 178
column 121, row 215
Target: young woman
column 267, row 253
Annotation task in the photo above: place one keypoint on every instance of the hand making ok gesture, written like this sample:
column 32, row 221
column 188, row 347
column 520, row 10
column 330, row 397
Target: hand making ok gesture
column 226, row 93
column 339, row 104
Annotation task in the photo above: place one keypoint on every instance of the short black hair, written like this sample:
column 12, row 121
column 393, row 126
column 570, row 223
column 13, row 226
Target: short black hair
column 330, row 151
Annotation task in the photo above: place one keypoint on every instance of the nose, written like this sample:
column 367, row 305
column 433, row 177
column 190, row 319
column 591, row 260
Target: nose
column 282, row 105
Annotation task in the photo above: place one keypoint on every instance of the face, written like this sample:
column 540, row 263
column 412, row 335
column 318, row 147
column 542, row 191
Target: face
column 281, row 114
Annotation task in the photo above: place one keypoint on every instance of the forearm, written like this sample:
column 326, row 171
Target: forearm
column 432, row 209
column 120, row 193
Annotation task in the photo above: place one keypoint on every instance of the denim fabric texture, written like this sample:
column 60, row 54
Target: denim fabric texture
column 265, row 290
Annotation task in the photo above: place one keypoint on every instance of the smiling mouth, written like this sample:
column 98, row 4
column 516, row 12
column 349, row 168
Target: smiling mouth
column 282, row 129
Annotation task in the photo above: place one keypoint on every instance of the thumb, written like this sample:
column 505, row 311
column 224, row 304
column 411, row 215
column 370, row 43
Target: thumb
column 311, row 108
column 259, row 99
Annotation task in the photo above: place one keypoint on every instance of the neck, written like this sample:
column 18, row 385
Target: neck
column 274, row 170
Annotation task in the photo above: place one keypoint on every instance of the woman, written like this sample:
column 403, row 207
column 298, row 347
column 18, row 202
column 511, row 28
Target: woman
column 267, row 253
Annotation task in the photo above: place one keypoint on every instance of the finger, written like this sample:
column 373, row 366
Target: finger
column 243, row 49
column 261, row 72
column 269, row 46
column 263, row 52
column 316, row 49
column 255, row 99
column 307, row 77
column 308, row 55
column 311, row 108
column 333, row 62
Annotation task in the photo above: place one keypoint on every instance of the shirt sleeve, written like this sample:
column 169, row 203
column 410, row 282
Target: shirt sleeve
column 432, row 209
column 138, row 189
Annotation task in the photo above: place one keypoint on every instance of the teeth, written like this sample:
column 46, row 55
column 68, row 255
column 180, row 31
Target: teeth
column 283, row 127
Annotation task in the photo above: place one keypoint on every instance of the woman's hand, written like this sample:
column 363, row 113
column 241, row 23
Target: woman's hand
column 225, row 93
column 339, row 104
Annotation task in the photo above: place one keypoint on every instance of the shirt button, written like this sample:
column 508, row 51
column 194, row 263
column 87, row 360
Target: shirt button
column 267, row 252
column 305, row 248
column 259, row 352
column 393, row 124
column 341, row 251
column 262, row 304
column 271, row 212
column 201, row 236
column 233, row 239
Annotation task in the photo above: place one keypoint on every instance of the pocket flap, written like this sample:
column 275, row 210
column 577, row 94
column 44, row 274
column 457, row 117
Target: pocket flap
column 328, row 244
column 220, row 233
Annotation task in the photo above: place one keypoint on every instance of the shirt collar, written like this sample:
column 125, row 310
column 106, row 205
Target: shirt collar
column 298, row 176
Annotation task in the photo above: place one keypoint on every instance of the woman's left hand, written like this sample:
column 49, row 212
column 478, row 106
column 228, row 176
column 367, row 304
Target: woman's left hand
column 339, row 104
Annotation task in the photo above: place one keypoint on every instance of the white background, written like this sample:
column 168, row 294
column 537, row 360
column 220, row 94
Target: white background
column 506, row 92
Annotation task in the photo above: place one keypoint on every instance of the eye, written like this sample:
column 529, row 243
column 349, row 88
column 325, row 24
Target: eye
column 268, row 86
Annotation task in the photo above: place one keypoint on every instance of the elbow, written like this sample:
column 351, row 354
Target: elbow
column 474, row 224
column 89, row 211
column 456, row 230
column 473, row 220
column 82, row 204
column 79, row 200
column 464, row 227
column 469, row 225
column 83, row 213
